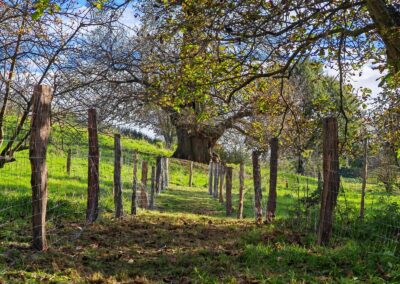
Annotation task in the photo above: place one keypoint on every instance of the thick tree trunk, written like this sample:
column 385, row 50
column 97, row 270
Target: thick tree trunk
column 194, row 146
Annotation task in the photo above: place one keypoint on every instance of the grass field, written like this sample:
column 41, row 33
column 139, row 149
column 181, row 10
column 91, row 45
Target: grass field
column 188, row 238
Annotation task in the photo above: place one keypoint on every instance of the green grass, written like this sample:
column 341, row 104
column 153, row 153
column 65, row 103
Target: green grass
column 188, row 238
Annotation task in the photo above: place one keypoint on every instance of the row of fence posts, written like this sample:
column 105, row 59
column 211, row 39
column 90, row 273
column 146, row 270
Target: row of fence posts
column 40, row 130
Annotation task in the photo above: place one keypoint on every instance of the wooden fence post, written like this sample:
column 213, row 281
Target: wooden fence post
column 143, row 192
column 241, row 191
column 134, row 186
column 92, row 209
column 330, row 188
column 273, row 177
column 257, row 186
column 364, row 178
column 158, row 174
column 191, row 174
column 210, row 178
column 166, row 172
column 221, row 183
column 119, row 211
column 69, row 156
column 216, row 176
column 153, row 186
column 228, row 191
column 40, row 129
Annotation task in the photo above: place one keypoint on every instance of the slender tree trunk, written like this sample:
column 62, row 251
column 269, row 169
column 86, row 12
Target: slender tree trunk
column 134, row 186
column 221, row 182
column 331, row 180
column 229, row 191
column 40, row 129
column 93, row 169
column 153, row 187
column 143, row 192
column 257, row 186
column 364, row 178
column 119, row 211
column 273, row 177
column 241, row 191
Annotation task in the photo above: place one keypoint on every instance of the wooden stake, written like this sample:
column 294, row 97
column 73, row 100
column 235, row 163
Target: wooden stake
column 229, row 191
column 134, row 186
column 331, row 180
column 210, row 178
column 364, row 179
column 221, row 183
column 190, row 174
column 241, row 191
column 273, row 177
column 216, row 176
column 143, row 192
column 153, row 187
column 92, row 210
column 257, row 186
column 69, row 154
column 119, row 211
column 158, row 175
column 40, row 130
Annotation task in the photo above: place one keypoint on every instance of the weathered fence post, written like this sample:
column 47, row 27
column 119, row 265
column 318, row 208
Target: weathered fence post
column 191, row 174
column 241, row 191
column 69, row 154
column 40, row 129
column 153, row 186
column 257, row 186
column 221, row 183
column 331, row 180
column 166, row 173
column 143, row 192
column 210, row 178
column 228, row 191
column 364, row 178
column 92, row 210
column 134, row 186
column 119, row 211
column 158, row 174
column 216, row 176
column 273, row 176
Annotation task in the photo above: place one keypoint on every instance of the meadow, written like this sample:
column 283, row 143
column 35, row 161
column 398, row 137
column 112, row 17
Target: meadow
column 188, row 238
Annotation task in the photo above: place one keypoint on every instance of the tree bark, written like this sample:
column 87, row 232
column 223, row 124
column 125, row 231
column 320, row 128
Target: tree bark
column 93, row 169
column 387, row 25
column 241, row 191
column 119, row 211
column 40, row 129
column 229, row 191
column 364, row 178
column 273, row 177
column 331, row 180
column 257, row 186
column 134, row 186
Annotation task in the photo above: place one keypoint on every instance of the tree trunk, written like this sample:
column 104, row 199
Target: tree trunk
column 331, row 180
column 273, row 177
column 257, row 186
column 364, row 179
column 194, row 146
column 241, row 191
column 387, row 24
